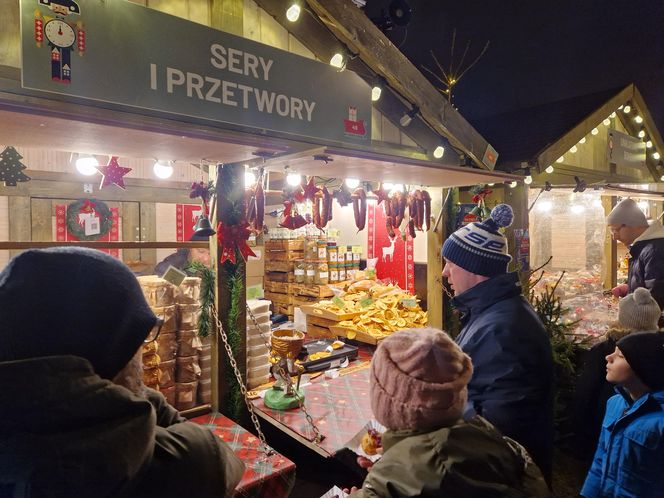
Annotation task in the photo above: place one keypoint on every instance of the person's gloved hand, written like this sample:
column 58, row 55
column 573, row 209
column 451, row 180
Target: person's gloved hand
column 620, row 290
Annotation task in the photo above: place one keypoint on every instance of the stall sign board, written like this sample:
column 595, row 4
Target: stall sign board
column 122, row 53
column 396, row 257
column 625, row 150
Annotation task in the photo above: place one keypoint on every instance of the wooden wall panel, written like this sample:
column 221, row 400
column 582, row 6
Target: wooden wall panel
column 166, row 229
column 226, row 15
column 41, row 220
column 296, row 47
column 148, row 230
column 4, row 229
column 19, row 222
column 199, row 11
column 251, row 24
column 131, row 227
column 272, row 33
column 174, row 7
column 10, row 36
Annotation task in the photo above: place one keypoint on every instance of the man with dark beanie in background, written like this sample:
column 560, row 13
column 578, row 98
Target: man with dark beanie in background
column 76, row 418
column 512, row 383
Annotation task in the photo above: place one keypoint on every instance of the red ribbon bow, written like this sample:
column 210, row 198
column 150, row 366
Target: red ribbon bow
column 481, row 195
column 88, row 207
column 234, row 237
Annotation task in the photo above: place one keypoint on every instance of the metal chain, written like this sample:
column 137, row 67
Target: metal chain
column 243, row 389
column 318, row 437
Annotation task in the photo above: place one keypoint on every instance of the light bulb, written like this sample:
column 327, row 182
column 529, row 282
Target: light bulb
column 648, row 144
column 163, row 169
column 661, row 178
column 577, row 208
column 87, row 165
column 337, row 61
column 490, row 184
column 574, row 149
column 544, row 206
column 513, row 184
column 293, row 12
column 655, row 155
column 582, row 141
column 388, row 186
column 627, row 109
column 528, row 180
column 438, row 152
column 375, row 93
column 594, row 131
column 293, row 179
column 560, row 159
column 606, row 122
column 613, row 114
column 397, row 187
column 638, row 119
column 549, row 169
column 352, row 182
column 405, row 120
column 249, row 178
column 642, row 133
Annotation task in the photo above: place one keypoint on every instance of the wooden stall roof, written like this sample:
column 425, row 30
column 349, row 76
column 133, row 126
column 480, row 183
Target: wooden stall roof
column 539, row 135
column 372, row 166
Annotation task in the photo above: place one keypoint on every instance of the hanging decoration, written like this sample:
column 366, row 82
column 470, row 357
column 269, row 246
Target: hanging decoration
column 88, row 219
column 322, row 209
column 112, row 174
column 292, row 219
column 11, row 167
column 311, row 190
column 232, row 240
column 479, row 198
column 343, row 195
column 202, row 190
column 381, row 194
column 255, row 199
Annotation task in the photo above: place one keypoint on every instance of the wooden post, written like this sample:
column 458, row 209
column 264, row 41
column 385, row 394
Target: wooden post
column 610, row 262
column 20, row 225
column 148, row 216
column 518, row 199
column 231, row 291
column 435, row 264
column 449, row 321
column 226, row 15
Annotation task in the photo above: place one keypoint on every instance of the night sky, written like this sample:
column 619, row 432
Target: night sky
column 540, row 51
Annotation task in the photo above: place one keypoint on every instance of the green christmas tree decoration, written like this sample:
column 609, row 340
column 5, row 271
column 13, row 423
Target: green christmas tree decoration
column 11, row 167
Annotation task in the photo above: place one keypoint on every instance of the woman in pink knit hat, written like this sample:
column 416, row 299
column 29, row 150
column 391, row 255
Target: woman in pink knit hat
column 418, row 391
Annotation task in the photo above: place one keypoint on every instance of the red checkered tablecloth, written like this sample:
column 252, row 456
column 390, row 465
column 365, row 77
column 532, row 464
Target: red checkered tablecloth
column 264, row 477
column 339, row 407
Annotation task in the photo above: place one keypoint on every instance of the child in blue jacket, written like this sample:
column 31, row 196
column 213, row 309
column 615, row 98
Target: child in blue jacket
column 629, row 461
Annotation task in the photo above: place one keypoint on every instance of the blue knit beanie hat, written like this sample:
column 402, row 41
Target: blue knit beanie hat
column 72, row 301
column 480, row 248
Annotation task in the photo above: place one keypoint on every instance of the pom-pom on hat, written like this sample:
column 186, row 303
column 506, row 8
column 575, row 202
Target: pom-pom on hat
column 72, row 301
column 644, row 351
column 639, row 311
column 480, row 248
column 418, row 380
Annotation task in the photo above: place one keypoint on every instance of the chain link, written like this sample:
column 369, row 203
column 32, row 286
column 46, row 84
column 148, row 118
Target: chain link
column 318, row 437
column 231, row 358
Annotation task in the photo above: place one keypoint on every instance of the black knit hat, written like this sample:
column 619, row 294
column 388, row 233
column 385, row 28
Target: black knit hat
column 72, row 301
column 644, row 351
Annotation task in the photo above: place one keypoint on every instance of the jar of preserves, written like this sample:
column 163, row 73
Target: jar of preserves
column 299, row 271
column 332, row 254
column 342, row 272
column 322, row 274
column 349, row 254
column 310, row 248
column 321, row 250
column 310, row 273
column 334, row 272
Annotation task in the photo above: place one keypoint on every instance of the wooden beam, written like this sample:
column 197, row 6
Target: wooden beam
column 352, row 27
column 435, row 266
column 610, row 261
column 95, row 244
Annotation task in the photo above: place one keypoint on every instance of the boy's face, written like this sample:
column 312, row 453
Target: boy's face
column 618, row 370
column 200, row 255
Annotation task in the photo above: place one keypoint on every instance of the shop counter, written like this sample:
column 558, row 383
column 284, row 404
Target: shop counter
column 264, row 476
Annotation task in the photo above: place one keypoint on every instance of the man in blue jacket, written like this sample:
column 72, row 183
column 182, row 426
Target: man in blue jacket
column 512, row 383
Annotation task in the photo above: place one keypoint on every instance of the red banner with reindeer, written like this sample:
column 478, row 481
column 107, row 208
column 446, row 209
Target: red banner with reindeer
column 396, row 258
column 186, row 216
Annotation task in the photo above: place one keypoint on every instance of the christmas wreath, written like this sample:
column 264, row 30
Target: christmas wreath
column 76, row 226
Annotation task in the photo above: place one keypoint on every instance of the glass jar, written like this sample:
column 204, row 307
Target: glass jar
column 332, row 254
column 342, row 272
column 321, row 250
column 310, row 273
column 334, row 272
column 349, row 254
column 310, row 248
column 300, row 269
column 322, row 274
column 357, row 254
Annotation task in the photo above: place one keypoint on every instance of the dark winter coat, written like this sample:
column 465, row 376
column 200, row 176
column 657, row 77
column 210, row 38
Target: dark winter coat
column 646, row 264
column 629, row 462
column 469, row 460
column 512, row 383
column 65, row 432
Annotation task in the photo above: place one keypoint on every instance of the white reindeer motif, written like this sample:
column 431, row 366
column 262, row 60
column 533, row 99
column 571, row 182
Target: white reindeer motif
column 196, row 214
column 389, row 251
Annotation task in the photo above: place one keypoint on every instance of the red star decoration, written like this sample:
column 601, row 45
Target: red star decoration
column 112, row 173
column 311, row 190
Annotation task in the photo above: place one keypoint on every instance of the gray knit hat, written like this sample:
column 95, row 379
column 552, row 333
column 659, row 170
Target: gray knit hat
column 639, row 311
column 627, row 212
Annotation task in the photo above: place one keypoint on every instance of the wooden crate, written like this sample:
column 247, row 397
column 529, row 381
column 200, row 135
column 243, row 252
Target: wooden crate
column 320, row 322
column 330, row 315
column 278, row 298
column 303, row 300
column 284, row 309
column 317, row 291
column 284, row 255
column 279, row 287
column 280, row 266
column 280, row 276
column 284, row 245
column 355, row 335
column 316, row 332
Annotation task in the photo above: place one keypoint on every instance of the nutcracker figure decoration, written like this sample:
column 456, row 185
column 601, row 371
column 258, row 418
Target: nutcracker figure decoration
column 62, row 34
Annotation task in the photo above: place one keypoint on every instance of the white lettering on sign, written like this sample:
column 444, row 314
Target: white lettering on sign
column 239, row 62
column 230, row 93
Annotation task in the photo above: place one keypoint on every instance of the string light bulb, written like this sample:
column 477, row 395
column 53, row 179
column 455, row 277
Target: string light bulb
column 407, row 118
column 638, row 119
column 293, row 179
column 648, row 144
column 642, row 133
column 293, row 12
column 352, row 182
column 560, row 159
column 87, row 165
column 163, row 169
column 549, row 169
column 612, row 115
column 594, row 131
column 513, row 184
column 574, row 149
column 249, row 179
column 606, row 122
column 338, row 61
column 375, row 93
column 627, row 109
column 438, row 152
column 528, row 180
column 655, row 155
column 582, row 141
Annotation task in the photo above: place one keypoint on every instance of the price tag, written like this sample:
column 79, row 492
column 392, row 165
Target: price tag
column 409, row 302
column 367, row 301
column 338, row 302
column 255, row 292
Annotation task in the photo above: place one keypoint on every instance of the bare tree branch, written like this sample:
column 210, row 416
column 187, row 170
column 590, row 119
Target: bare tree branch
column 474, row 62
